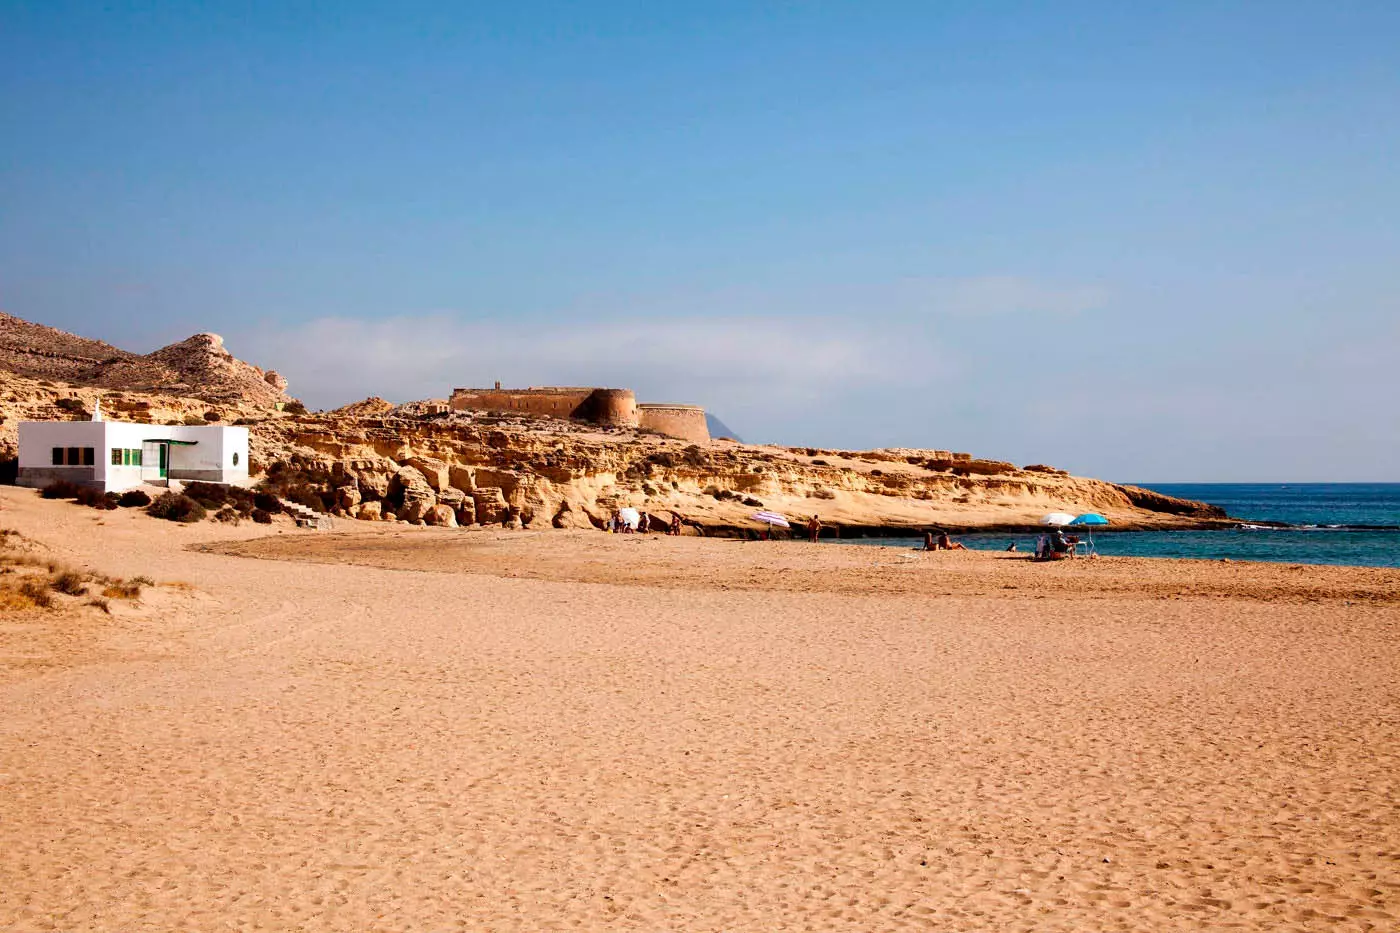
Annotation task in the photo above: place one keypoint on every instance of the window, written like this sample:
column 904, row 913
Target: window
column 136, row 458
column 235, row 458
column 58, row 456
column 74, row 456
column 118, row 456
column 89, row 456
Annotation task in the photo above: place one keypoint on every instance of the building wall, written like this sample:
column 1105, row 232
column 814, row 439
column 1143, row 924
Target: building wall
column 686, row 422
column 211, row 458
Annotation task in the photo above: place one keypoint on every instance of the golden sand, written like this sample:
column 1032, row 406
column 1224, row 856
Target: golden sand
column 437, row 730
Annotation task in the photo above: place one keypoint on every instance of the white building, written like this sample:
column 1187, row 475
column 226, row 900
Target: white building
column 117, row 455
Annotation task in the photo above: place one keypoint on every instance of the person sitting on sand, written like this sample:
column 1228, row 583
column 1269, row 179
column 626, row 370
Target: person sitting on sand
column 1011, row 547
column 1060, row 543
column 946, row 543
column 929, row 543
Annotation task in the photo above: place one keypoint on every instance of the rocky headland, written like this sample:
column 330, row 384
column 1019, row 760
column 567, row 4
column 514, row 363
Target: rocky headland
column 418, row 463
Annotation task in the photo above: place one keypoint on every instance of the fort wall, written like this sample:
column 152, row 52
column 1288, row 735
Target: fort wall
column 686, row 422
column 554, row 401
column 617, row 407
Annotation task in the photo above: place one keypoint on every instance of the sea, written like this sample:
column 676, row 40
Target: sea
column 1353, row 524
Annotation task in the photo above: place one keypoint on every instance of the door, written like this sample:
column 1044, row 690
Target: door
column 164, row 460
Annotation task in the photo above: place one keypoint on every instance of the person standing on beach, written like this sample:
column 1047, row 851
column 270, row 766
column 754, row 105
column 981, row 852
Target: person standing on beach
column 814, row 528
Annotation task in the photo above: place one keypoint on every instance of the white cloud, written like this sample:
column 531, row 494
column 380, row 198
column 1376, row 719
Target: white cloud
column 717, row 362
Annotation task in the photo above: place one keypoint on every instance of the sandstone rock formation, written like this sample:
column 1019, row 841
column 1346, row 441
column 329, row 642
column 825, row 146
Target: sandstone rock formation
column 420, row 464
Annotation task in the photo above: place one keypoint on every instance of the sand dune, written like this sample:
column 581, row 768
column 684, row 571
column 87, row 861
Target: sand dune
column 432, row 730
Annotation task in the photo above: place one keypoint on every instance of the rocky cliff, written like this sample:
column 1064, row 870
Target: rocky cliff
column 421, row 463
column 463, row 468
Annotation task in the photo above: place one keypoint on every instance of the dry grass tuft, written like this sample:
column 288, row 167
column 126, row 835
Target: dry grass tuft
column 69, row 582
column 122, row 589
column 101, row 604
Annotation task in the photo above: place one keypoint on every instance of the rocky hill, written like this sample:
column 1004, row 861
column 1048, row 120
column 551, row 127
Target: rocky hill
column 420, row 463
column 465, row 468
column 199, row 367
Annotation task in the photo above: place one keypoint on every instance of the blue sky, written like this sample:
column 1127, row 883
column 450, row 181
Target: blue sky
column 1140, row 244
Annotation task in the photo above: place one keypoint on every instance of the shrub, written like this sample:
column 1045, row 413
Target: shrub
column 820, row 462
column 69, row 582
column 262, row 516
column 294, row 407
column 132, row 498
column 96, row 498
column 177, row 508
column 101, row 604
column 227, row 514
column 266, row 502
column 60, row 489
column 211, row 416
column 74, row 405
column 751, row 501
column 37, row 593
column 122, row 589
column 209, row 495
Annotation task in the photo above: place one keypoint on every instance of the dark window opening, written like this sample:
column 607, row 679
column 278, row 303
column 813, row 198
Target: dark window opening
column 89, row 456
column 74, row 456
column 58, row 456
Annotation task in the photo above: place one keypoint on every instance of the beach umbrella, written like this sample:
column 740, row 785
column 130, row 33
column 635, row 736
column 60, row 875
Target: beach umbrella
column 1057, row 518
column 630, row 517
column 1090, row 519
column 771, row 518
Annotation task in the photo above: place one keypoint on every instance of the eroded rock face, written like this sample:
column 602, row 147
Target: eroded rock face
column 491, row 504
column 435, row 471
column 551, row 474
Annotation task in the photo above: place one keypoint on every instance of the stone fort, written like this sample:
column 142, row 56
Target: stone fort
column 618, row 407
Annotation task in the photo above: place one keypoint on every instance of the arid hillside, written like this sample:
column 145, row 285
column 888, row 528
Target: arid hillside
column 198, row 367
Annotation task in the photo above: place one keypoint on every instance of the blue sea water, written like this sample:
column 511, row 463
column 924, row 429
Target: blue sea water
column 1354, row 524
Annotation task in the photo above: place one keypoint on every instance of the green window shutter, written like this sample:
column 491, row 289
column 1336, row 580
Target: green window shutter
column 117, row 456
column 136, row 458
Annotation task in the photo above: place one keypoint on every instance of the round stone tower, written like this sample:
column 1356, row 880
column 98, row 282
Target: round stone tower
column 612, row 406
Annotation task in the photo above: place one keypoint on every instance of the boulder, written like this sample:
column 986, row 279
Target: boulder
column 434, row 471
column 369, row 511
column 371, row 475
column 466, row 513
column 417, row 494
column 452, row 496
column 348, row 497
column 490, row 504
column 388, row 514
column 443, row 515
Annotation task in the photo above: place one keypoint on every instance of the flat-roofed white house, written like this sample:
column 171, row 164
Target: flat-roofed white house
column 117, row 455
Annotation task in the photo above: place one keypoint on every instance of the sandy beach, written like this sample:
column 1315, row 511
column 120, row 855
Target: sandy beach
column 432, row 729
